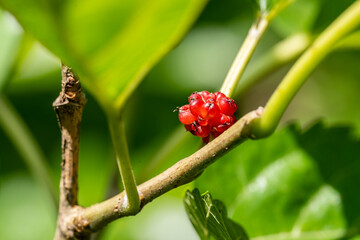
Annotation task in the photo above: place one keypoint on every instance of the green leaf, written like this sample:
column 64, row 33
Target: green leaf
column 292, row 185
column 110, row 44
column 209, row 217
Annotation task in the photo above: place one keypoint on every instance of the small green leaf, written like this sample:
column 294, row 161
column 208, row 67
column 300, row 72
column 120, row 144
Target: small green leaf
column 111, row 44
column 292, row 185
column 209, row 217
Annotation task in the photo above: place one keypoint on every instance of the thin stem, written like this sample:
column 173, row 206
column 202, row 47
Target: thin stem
column 246, row 50
column 298, row 74
column 122, row 155
column 27, row 146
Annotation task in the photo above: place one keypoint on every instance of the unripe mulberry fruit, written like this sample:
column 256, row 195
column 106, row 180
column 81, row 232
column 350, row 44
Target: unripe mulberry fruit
column 185, row 116
column 208, row 114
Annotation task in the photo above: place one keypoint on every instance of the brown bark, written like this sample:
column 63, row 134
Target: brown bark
column 68, row 107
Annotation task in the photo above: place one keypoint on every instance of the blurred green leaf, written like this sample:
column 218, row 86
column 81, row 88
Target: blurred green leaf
column 26, row 210
column 111, row 44
column 308, row 16
column 328, row 12
column 37, row 63
column 209, row 217
column 292, row 185
column 10, row 35
column 298, row 17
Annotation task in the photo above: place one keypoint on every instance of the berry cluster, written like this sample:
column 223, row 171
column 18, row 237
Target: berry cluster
column 208, row 114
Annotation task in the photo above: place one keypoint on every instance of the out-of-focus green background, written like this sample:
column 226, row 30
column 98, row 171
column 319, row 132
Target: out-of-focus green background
column 199, row 62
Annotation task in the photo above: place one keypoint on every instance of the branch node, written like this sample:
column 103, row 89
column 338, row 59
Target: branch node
column 68, row 107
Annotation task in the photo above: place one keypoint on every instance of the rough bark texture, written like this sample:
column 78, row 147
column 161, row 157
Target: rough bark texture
column 68, row 107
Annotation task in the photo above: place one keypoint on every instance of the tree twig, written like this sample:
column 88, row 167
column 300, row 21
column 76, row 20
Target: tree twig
column 69, row 106
column 186, row 170
column 243, row 57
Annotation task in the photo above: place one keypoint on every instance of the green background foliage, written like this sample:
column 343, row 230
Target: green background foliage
column 317, row 176
column 301, row 186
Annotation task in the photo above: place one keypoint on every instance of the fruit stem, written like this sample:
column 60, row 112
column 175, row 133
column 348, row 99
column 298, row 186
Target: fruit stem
column 242, row 58
column 117, row 131
column 298, row 74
